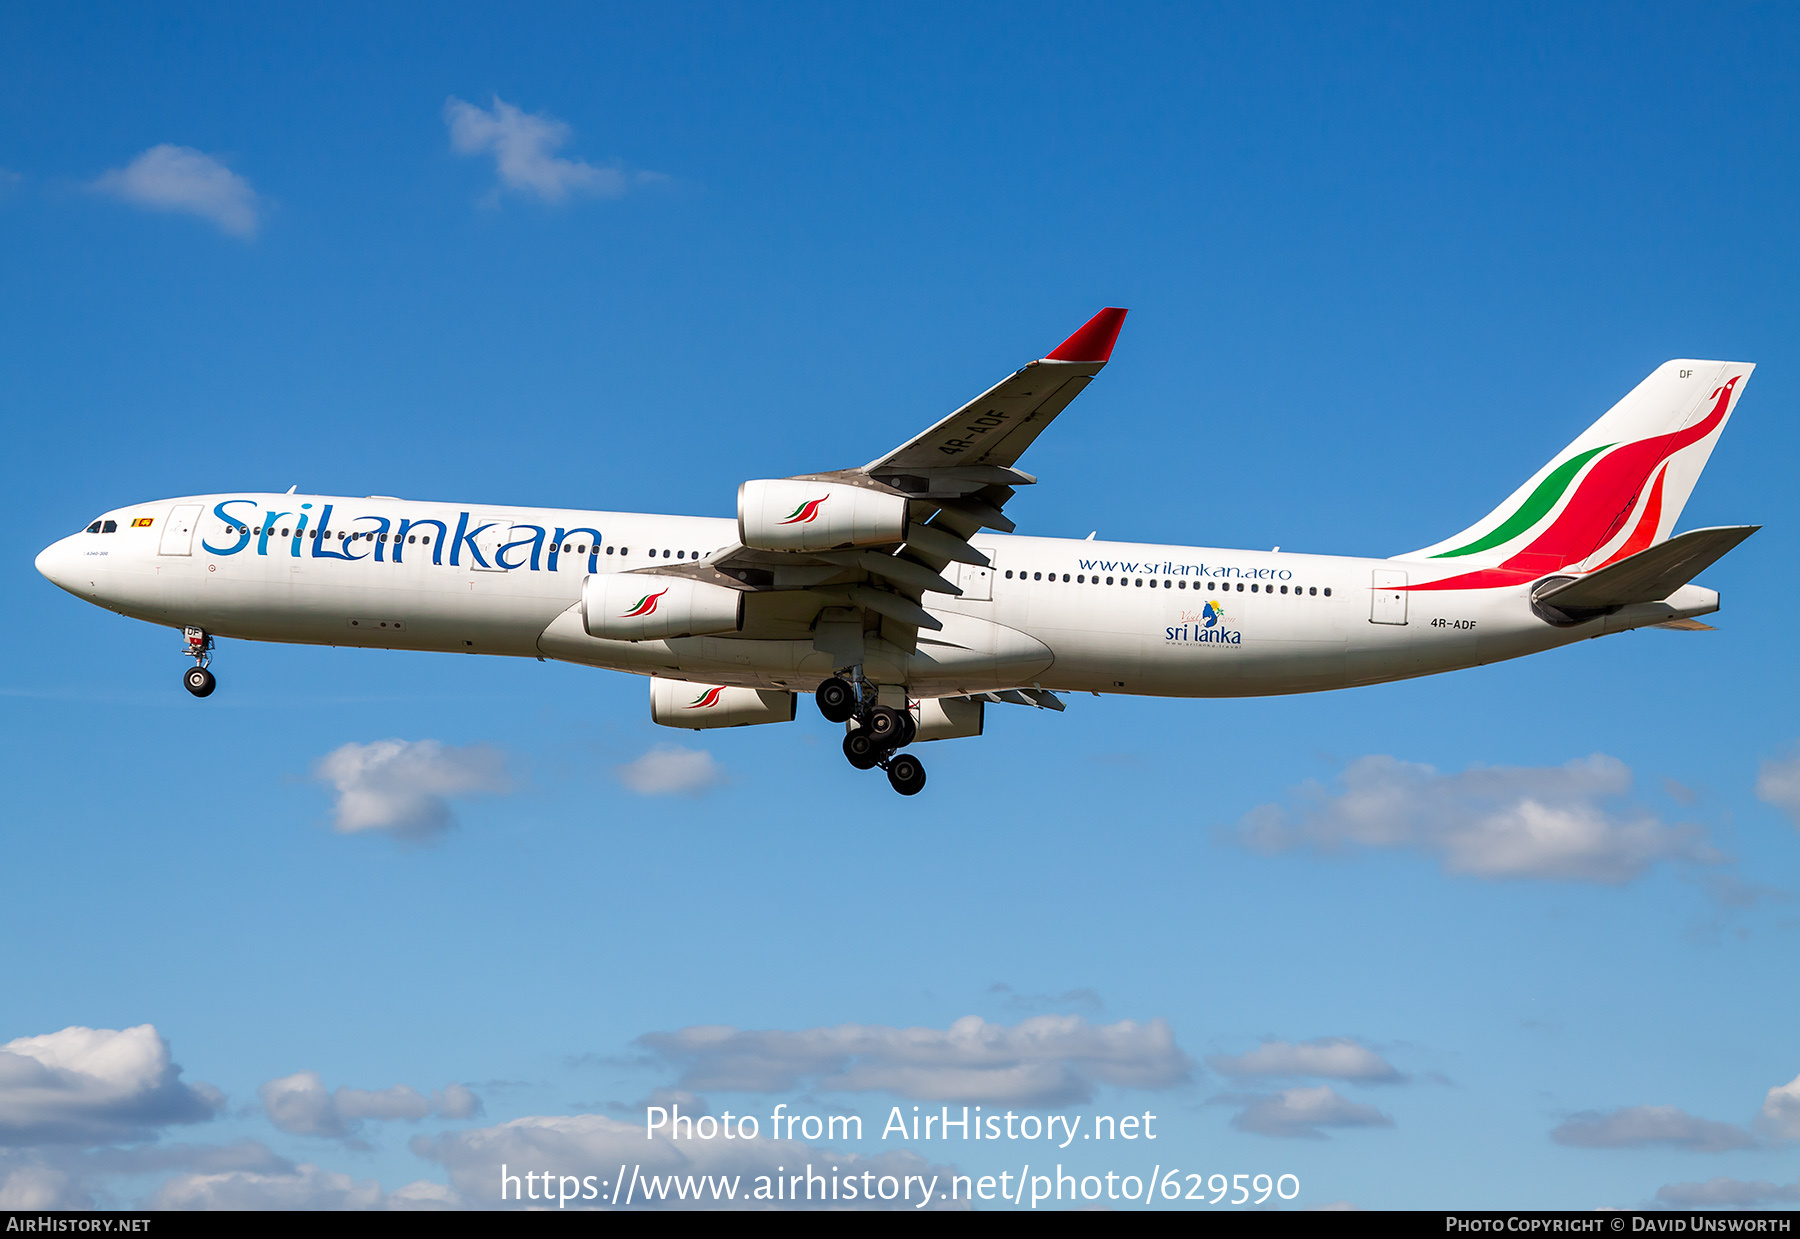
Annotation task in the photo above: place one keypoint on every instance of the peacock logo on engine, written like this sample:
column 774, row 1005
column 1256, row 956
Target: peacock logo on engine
column 806, row 513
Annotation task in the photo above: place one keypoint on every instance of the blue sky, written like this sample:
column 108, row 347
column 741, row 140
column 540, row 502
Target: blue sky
column 1381, row 264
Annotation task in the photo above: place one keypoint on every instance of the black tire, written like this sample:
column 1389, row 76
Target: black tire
column 200, row 682
column 909, row 730
column 907, row 774
column 837, row 700
column 861, row 751
column 887, row 726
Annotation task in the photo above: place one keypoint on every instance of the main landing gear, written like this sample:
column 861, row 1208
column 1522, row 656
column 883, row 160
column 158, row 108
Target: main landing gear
column 199, row 681
column 877, row 732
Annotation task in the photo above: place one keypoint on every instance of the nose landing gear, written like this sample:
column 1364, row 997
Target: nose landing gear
column 876, row 733
column 199, row 681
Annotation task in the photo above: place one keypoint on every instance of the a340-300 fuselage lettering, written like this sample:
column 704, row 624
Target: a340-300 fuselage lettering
column 374, row 536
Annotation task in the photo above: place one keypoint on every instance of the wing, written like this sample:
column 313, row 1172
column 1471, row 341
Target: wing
column 956, row 477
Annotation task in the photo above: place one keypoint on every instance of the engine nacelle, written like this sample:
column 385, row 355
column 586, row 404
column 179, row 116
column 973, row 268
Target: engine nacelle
column 948, row 718
column 817, row 516
column 637, row 606
column 682, row 703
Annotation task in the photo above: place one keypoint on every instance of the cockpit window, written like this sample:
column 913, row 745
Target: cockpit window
column 94, row 528
column 110, row 527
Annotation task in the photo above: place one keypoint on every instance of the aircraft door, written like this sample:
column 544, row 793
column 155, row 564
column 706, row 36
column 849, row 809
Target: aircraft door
column 178, row 530
column 977, row 582
column 1387, row 592
column 490, row 540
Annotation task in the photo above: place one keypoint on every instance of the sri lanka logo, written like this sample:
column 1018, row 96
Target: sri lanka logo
column 806, row 513
column 709, row 698
column 1205, row 627
column 645, row 606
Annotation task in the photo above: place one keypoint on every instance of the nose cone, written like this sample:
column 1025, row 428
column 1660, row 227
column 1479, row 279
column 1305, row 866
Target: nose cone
column 56, row 562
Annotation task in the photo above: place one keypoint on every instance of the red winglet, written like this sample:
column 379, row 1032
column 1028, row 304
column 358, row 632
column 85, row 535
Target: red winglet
column 1094, row 342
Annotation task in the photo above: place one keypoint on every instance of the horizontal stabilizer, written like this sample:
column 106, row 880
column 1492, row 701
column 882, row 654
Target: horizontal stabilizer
column 1652, row 575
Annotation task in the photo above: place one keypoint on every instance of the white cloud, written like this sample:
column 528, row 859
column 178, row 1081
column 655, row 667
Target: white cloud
column 179, row 178
column 1778, row 783
column 300, row 1187
column 1337, row 1058
column 402, row 787
column 671, row 771
column 1779, row 1118
column 1636, row 1127
column 1567, row 822
column 590, row 1144
column 1723, row 1193
column 299, row 1104
column 29, row 1185
column 93, row 1085
column 1299, row 1113
column 1042, row 1061
column 66, row 1177
column 523, row 146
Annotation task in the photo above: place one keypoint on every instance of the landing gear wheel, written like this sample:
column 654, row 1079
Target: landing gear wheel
column 887, row 726
column 909, row 730
column 200, row 682
column 861, row 750
column 837, row 700
column 907, row 774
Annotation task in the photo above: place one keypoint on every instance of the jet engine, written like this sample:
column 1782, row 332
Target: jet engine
column 638, row 606
column 682, row 703
column 790, row 515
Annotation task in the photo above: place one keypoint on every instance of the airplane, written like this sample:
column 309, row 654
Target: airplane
column 899, row 595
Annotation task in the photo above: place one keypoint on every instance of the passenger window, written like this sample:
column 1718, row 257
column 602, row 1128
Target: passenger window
column 1109, row 580
column 425, row 540
column 609, row 550
column 1037, row 576
column 1183, row 585
column 1328, row 591
column 1240, row 587
column 1140, row 582
column 680, row 554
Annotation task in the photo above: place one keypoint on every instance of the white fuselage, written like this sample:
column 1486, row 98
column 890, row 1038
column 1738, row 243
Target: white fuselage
column 1052, row 613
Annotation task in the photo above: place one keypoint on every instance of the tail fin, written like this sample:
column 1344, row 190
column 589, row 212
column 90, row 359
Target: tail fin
column 1618, row 488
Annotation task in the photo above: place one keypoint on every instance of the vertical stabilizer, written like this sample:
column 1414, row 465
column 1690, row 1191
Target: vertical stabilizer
column 1618, row 488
